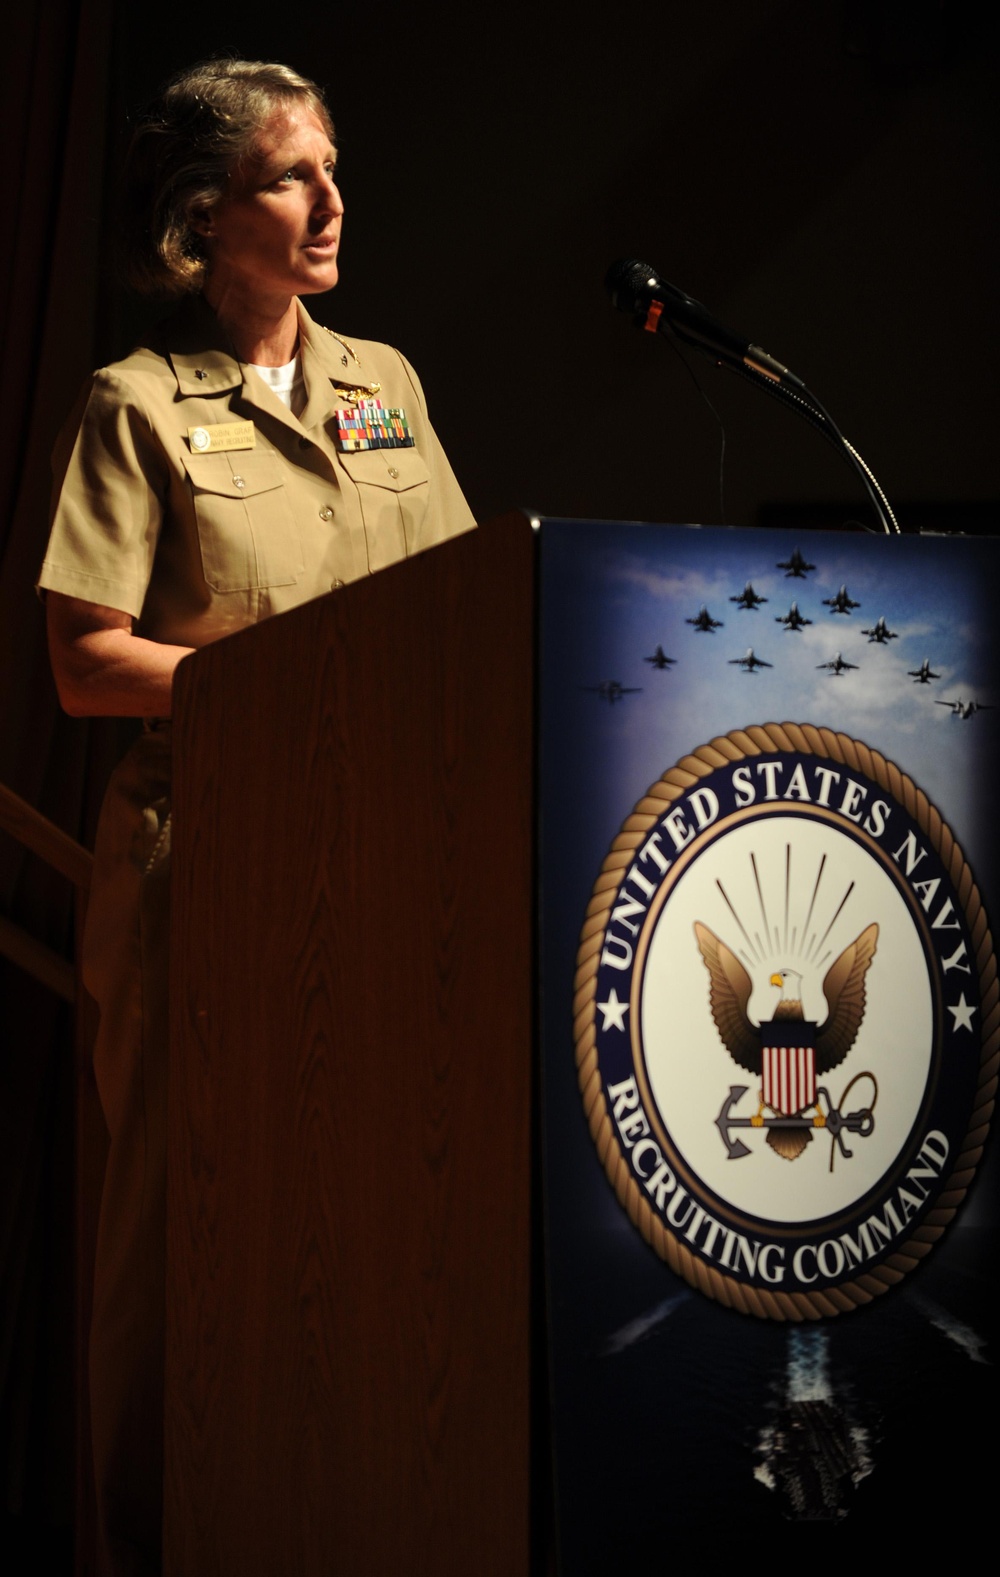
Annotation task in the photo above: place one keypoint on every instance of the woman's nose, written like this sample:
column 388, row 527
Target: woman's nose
column 328, row 197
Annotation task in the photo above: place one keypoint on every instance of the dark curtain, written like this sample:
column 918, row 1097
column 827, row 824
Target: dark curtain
column 53, row 122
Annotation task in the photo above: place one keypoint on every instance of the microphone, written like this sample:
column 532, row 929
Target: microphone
column 637, row 289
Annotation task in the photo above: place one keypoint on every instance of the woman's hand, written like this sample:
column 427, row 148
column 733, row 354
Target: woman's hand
column 103, row 670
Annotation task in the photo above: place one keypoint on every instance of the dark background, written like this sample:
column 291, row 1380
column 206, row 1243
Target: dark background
column 822, row 176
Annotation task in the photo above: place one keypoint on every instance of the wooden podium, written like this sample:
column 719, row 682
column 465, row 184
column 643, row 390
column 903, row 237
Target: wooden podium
column 349, row 1200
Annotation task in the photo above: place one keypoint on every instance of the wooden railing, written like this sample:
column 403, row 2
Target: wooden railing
column 35, row 832
column 57, row 849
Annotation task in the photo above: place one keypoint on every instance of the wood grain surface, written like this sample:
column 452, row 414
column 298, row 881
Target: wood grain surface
column 348, row 1303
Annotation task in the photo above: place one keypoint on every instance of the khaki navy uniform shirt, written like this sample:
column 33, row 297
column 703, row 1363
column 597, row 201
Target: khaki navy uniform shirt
column 197, row 545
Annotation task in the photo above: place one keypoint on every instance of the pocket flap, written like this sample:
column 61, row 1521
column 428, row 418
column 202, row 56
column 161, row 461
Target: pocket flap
column 396, row 469
column 240, row 473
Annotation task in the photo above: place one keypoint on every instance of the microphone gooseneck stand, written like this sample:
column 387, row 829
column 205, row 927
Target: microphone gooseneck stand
column 660, row 308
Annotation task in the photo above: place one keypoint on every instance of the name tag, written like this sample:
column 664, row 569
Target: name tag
column 222, row 435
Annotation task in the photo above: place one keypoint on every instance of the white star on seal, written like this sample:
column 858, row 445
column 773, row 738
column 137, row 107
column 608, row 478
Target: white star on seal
column 614, row 1011
column 962, row 1013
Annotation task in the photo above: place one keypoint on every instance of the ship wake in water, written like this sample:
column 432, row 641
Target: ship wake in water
column 964, row 1337
column 627, row 1335
column 812, row 1451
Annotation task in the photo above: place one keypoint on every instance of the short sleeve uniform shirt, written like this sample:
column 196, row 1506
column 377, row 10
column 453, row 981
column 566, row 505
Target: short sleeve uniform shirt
column 196, row 545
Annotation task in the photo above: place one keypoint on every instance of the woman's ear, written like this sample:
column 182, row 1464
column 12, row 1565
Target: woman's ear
column 200, row 221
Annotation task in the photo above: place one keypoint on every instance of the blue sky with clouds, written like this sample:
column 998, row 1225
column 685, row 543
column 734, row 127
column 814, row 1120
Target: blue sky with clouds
column 612, row 594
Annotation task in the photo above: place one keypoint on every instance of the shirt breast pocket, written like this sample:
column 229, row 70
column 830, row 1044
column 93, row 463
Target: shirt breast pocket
column 394, row 488
column 246, row 528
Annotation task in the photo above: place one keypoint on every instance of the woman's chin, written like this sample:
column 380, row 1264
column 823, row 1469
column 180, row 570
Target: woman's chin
column 323, row 275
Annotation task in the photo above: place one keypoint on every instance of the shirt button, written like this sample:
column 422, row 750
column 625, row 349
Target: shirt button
column 393, row 471
column 335, row 585
column 238, row 481
column 326, row 513
column 200, row 373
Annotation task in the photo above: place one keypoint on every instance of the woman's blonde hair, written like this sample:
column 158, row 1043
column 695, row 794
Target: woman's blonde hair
column 199, row 133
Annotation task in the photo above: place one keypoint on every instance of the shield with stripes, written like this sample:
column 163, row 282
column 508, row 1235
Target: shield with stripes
column 789, row 1065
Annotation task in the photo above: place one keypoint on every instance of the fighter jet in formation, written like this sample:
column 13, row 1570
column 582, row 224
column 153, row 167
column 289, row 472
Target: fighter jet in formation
column 837, row 666
column 793, row 619
column 704, row 621
column 880, row 632
column 923, row 674
column 750, row 661
column 841, row 603
column 660, row 659
column 748, row 599
column 796, row 565
column 612, row 690
column 966, row 709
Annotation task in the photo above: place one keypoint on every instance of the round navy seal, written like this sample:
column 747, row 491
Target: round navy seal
column 786, row 1021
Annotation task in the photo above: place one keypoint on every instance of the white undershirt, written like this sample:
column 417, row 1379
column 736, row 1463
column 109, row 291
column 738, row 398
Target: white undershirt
column 286, row 382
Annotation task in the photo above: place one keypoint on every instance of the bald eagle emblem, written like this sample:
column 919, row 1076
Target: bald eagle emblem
column 788, row 1053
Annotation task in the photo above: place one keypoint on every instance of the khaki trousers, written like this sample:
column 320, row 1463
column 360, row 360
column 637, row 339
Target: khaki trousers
column 125, row 958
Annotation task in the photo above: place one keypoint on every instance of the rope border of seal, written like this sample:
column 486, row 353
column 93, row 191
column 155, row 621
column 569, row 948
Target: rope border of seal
column 740, row 745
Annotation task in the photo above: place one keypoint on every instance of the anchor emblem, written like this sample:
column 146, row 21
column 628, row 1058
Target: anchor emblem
column 832, row 1120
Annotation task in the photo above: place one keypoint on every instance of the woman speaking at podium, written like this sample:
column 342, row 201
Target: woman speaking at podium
column 244, row 461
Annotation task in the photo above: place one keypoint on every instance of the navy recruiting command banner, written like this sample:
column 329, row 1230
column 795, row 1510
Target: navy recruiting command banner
column 770, row 1029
